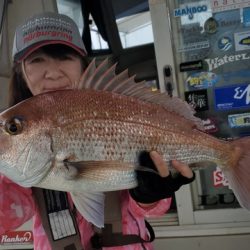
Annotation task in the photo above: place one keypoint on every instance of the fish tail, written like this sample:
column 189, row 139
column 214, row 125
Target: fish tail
column 238, row 172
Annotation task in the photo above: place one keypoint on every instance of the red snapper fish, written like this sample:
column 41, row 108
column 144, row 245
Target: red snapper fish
column 87, row 141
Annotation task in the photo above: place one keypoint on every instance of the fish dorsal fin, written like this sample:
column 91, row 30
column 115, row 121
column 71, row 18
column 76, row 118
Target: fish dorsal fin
column 104, row 78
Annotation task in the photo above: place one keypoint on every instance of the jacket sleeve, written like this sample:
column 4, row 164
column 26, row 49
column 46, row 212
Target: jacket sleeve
column 157, row 209
column 16, row 205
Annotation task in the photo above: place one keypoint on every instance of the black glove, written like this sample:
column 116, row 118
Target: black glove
column 151, row 186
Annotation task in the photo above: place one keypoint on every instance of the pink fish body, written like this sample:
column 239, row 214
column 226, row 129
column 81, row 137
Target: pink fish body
column 89, row 140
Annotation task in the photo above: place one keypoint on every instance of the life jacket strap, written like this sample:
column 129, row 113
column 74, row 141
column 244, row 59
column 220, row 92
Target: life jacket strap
column 109, row 239
column 57, row 219
column 111, row 235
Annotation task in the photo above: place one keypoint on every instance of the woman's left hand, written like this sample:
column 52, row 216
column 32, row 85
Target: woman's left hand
column 153, row 187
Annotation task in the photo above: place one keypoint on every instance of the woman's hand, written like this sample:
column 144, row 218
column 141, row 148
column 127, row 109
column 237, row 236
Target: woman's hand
column 163, row 169
column 153, row 187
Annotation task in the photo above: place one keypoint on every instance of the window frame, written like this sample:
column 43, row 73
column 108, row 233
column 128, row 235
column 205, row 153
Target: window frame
column 187, row 221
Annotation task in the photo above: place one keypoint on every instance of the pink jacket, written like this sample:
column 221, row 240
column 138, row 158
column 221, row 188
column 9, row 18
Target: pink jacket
column 17, row 206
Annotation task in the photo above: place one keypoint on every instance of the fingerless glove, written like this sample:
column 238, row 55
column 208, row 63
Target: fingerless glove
column 152, row 187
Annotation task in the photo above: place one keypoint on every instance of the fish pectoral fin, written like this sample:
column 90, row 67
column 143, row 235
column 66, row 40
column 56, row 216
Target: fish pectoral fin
column 109, row 175
column 89, row 168
column 91, row 206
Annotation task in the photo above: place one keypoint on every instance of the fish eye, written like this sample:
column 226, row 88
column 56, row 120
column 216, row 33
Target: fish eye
column 14, row 126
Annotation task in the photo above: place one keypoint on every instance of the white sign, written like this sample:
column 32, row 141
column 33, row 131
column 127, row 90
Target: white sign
column 222, row 5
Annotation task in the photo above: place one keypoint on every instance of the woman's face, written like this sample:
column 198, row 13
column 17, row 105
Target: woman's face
column 45, row 73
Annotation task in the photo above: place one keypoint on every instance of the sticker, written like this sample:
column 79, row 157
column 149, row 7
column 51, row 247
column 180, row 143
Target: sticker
column 201, row 80
column 246, row 17
column 209, row 125
column 244, row 133
column 60, row 218
column 190, row 10
column 242, row 40
column 245, row 41
column 16, row 238
column 198, row 99
column 194, row 46
column 239, row 120
column 227, row 19
column 219, row 179
column 229, row 76
column 237, row 96
column 225, row 43
column 222, row 5
column 214, row 63
column 189, row 66
column 211, row 25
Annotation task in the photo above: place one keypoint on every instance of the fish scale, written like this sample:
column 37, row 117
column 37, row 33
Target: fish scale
column 125, row 135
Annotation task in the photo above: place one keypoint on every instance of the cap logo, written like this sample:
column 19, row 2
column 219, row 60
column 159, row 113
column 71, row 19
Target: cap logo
column 47, row 27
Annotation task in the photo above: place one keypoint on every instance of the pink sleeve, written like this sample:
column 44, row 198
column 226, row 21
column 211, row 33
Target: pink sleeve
column 158, row 209
column 16, row 205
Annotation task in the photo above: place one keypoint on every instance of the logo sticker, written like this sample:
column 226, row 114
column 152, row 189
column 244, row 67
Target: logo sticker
column 214, row 63
column 222, row 5
column 239, row 120
column 16, row 237
column 225, row 43
column 189, row 66
column 201, row 80
column 194, row 46
column 242, row 40
column 211, row 25
column 237, row 96
column 209, row 125
column 228, row 23
column 198, row 99
column 219, row 178
column 190, row 11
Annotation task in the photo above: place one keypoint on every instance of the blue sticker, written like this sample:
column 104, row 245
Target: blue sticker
column 246, row 17
column 201, row 80
column 237, row 96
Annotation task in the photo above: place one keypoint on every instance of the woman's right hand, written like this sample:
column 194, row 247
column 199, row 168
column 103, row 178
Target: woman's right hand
column 153, row 187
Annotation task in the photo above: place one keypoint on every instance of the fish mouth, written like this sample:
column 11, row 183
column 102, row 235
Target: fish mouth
column 46, row 90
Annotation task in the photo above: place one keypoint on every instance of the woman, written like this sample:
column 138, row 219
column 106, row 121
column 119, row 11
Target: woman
column 49, row 55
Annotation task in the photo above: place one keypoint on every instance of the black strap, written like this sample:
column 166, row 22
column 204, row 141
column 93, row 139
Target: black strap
column 109, row 239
